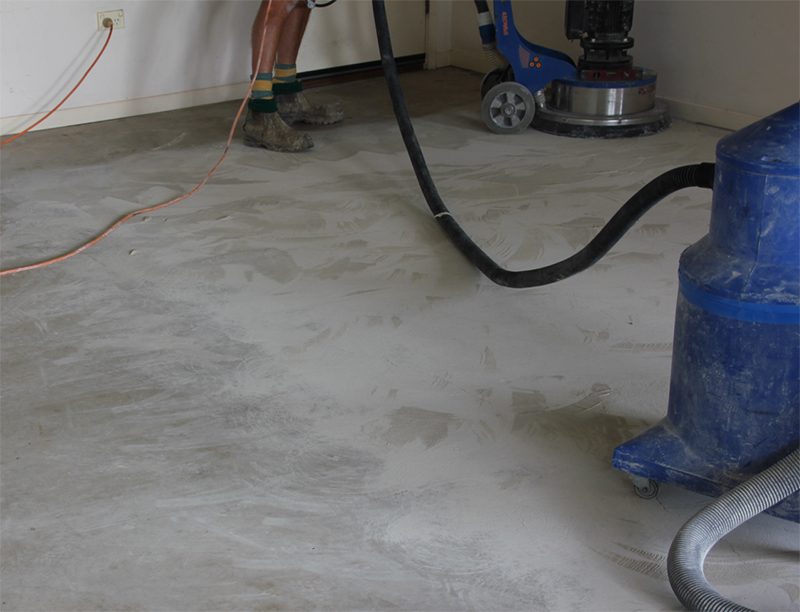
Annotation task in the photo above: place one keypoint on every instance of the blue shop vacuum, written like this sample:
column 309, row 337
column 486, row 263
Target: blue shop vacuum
column 732, row 428
column 604, row 95
column 734, row 401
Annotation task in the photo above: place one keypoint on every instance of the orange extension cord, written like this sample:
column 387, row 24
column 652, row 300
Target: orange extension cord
column 65, row 98
column 141, row 211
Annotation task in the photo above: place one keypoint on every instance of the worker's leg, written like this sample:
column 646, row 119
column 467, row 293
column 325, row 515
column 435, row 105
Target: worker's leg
column 292, row 102
column 292, row 34
column 263, row 126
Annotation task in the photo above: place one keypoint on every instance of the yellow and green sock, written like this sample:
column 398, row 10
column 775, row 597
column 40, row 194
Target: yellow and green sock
column 286, row 79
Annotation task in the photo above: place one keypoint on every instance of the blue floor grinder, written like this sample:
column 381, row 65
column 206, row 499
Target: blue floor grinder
column 603, row 95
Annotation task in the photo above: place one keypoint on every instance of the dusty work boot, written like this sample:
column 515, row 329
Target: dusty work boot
column 294, row 107
column 268, row 130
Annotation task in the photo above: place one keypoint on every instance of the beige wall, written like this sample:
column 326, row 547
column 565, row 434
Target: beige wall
column 727, row 60
column 539, row 21
column 720, row 62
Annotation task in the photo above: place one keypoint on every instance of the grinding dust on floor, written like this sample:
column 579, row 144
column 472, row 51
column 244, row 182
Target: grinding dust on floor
column 291, row 392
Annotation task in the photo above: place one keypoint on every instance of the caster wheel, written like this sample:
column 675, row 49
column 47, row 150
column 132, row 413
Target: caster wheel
column 495, row 77
column 490, row 79
column 646, row 489
column 508, row 108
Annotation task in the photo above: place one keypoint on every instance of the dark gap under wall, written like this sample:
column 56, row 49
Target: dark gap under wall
column 355, row 72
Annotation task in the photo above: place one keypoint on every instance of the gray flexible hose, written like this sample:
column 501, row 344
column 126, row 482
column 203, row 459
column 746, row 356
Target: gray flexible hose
column 712, row 523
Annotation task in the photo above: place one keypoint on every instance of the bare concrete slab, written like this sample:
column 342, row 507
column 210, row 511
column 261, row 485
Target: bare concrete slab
column 291, row 392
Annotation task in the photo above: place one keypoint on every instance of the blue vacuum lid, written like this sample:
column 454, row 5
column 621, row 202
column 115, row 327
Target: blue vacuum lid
column 769, row 146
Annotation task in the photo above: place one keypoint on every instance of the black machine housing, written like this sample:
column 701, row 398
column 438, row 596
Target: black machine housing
column 602, row 26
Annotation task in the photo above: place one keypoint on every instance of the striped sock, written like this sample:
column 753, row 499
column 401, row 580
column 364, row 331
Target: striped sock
column 262, row 88
column 286, row 79
column 262, row 98
column 285, row 73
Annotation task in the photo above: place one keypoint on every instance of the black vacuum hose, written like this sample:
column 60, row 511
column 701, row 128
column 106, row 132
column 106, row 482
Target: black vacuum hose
column 712, row 523
column 696, row 175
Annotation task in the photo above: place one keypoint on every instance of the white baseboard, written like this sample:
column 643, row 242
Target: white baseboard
column 709, row 115
column 438, row 59
column 126, row 108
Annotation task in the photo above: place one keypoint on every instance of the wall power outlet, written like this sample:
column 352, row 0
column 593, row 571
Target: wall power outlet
column 118, row 17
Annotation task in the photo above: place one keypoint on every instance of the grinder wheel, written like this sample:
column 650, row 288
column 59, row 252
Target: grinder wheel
column 508, row 108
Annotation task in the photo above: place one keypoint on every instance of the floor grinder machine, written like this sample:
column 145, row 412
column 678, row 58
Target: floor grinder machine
column 604, row 95
column 733, row 422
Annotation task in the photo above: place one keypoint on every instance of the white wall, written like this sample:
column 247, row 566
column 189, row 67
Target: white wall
column 721, row 62
column 171, row 53
column 439, row 35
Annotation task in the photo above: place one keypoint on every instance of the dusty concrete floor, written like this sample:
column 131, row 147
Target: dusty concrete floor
column 291, row 392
